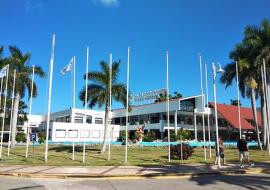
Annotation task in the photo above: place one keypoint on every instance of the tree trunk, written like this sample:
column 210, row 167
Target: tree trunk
column 14, row 119
column 105, row 136
column 253, row 104
column 264, row 121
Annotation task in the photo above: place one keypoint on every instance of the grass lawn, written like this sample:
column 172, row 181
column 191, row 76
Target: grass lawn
column 60, row 155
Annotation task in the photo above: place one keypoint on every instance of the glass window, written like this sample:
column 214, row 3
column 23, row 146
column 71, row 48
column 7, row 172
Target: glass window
column 78, row 119
column 95, row 134
column 85, row 133
column 73, row 133
column 154, row 118
column 133, row 119
column 98, row 120
column 144, row 118
column 88, row 119
column 60, row 133
column 116, row 121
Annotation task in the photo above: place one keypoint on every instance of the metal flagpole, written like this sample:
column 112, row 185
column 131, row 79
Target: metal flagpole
column 110, row 109
column 74, row 87
column 168, row 105
column 238, row 101
column 49, row 98
column 1, row 88
column 4, row 114
column 11, row 110
column 127, row 98
column 74, row 80
column 30, row 111
column 208, row 115
column 216, row 116
column 85, row 99
column 202, row 99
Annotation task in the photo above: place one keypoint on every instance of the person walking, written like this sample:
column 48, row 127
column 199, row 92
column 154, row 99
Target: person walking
column 243, row 151
column 221, row 150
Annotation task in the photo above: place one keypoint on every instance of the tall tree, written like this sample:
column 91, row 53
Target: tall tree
column 18, row 60
column 98, row 92
column 249, row 53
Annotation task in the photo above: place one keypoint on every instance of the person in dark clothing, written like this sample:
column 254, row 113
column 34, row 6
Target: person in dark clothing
column 243, row 151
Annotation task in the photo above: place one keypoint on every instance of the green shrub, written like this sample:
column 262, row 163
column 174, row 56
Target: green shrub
column 176, row 151
column 149, row 136
column 21, row 137
column 41, row 137
column 122, row 136
column 186, row 134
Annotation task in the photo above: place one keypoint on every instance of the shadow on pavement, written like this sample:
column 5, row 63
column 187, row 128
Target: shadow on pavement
column 244, row 181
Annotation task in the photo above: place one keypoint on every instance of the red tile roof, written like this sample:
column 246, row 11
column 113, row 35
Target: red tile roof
column 230, row 113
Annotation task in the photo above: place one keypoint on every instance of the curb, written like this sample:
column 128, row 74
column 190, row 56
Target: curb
column 123, row 176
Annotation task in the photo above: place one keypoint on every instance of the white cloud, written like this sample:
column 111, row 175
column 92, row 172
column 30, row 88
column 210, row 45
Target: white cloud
column 109, row 3
column 31, row 5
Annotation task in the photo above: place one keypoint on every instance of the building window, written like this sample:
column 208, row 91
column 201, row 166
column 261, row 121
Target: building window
column 98, row 120
column 60, row 133
column 116, row 121
column 154, row 118
column 85, row 133
column 133, row 119
column 68, row 119
column 78, row 119
column 95, row 134
column 143, row 118
column 89, row 119
column 73, row 133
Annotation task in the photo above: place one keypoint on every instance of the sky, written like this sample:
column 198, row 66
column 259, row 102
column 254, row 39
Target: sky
column 149, row 27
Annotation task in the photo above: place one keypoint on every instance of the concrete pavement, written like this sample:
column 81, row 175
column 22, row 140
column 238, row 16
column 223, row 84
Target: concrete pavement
column 128, row 171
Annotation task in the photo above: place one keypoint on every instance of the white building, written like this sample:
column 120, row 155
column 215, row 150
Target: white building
column 72, row 124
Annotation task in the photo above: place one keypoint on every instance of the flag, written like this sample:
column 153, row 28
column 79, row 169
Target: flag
column 68, row 67
column 3, row 71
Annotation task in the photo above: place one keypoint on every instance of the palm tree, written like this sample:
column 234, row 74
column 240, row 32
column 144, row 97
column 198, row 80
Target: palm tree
column 18, row 61
column 98, row 92
column 249, row 54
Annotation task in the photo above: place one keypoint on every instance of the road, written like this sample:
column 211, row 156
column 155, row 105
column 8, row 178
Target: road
column 220, row 182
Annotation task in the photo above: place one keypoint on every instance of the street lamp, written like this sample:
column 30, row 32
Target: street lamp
column 215, row 71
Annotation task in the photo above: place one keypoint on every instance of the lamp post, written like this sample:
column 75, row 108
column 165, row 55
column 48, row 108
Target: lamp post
column 215, row 71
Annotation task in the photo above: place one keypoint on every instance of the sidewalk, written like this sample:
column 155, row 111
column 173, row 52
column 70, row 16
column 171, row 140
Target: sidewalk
column 127, row 171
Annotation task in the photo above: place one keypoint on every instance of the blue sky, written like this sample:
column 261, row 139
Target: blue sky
column 149, row 27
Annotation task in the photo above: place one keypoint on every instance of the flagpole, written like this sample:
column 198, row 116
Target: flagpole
column 4, row 114
column 11, row 109
column 49, row 98
column 1, row 88
column 202, row 99
column 168, row 105
column 238, row 101
column 30, row 111
column 208, row 115
column 110, row 109
column 74, row 82
column 85, row 98
column 127, row 105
